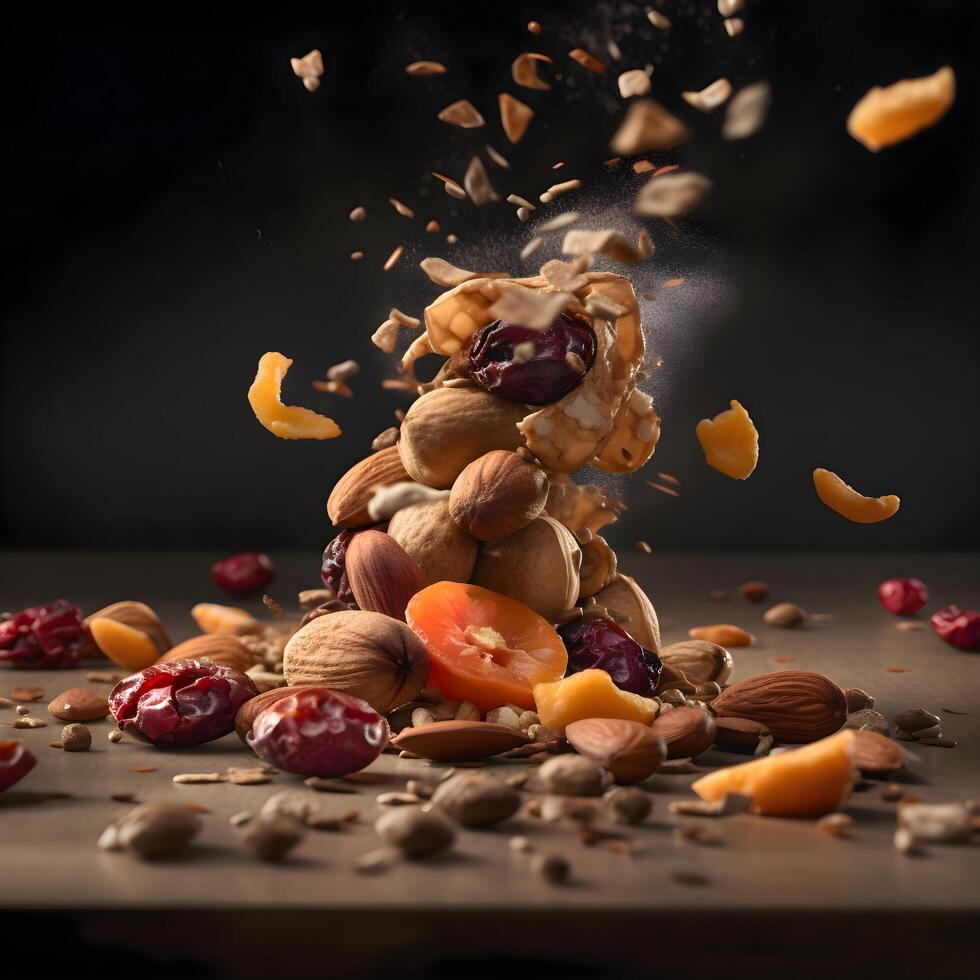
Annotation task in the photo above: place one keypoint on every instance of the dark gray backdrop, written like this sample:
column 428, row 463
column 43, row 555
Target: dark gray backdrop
column 175, row 204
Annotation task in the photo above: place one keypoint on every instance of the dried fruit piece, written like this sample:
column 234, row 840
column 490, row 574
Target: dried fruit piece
column 250, row 710
column 382, row 576
column 318, row 732
column 730, row 442
column 244, row 574
column 364, row 654
column 589, row 694
column 432, row 538
column 959, row 628
column 15, row 763
column 463, row 114
column 629, row 750
column 889, row 115
column 333, row 568
column 722, row 634
column 808, row 782
column 795, row 705
column 847, row 502
column 44, row 637
column 601, row 644
column 515, row 116
column 284, row 421
column 687, row 731
column 903, row 596
column 647, row 126
column 180, row 703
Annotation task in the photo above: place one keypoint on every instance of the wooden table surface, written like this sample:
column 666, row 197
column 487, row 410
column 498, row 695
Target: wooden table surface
column 766, row 870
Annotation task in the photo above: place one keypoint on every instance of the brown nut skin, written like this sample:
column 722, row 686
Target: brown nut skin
column 877, row 755
column 249, row 711
column 79, row 704
column 629, row 607
column 477, row 799
column 366, row 654
column 796, row 705
column 443, row 551
column 739, row 734
column 629, row 750
column 787, row 615
column 349, row 499
column 687, row 731
column 448, row 428
column 137, row 615
column 382, row 575
column 497, row 494
column 220, row 648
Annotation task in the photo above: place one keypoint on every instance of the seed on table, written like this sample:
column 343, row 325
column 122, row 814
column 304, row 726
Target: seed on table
column 272, row 838
column 27, row 693
column 76, row 738
column 56, row 745
column 892, row 792
column 754, row 591
column 398, row 799
column 30, row 723
column 916, row 719
column 240, row 818
column 194, row 778
column 942, row 743
column 23, row 710
column 115, row 736
column 836, row 825
column 122, row 797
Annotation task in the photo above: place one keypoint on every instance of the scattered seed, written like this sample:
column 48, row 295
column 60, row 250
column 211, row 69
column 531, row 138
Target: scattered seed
column 358, row 214
column 248, row 777
column 786, row 615
column 478, row 184
column 30, row 723
column 734, row 26
column 897, row 670
column 632, row 83
column 534, row 27
column 556, row 190
column 432, row 227
column 115, row 736
column 27, row 693
column 356, row 256
column 194, row 778
column 524, row 71
column 309, row 68
column 463, row 114
column 272, row 838
column 403, row 209
column 728, row 7
column 892, row 792
column 56, row 745
column 669, row 491
column 392, row 259
column 103, row 677
column 658, row 20
column 499, row 159
column 552, row 867
column 642, row 167
column 322, row 785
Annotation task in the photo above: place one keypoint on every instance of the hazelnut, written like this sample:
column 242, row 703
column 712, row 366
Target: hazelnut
column 477, row 799
column 430, row 536
column 416, row 833
column 627, row 804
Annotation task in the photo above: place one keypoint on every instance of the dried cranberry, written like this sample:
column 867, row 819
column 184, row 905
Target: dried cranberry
column 15, row 763
column 958, row 627
column 183, row 702
column 44, row 637
column 903, row 596
column 319, row 732
column 600, row 643
column 244, row 573
column 333, row 568
column 561, row 356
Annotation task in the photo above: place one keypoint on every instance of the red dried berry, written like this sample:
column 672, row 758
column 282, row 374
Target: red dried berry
column 15, row 763
column 958, row 627
column 903, row 596
column 602, row 644
column 184, row 702
column 333, row 568
column 44, row 637
column 559, row 358
column 242, row 574
column 319, row 732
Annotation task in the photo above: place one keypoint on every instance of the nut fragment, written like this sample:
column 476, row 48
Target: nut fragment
column 877, row 755
column 739, row 734
column 747, row 111
column 784, row 614
column 477, row 799
column 646, row 126
column 515, row 116
column 723, row 635
column 156, row 830
column 914, row 720
column 416, row 833
column 463, row 114
column 627, row 804
column 857, row 699
column 309, row 68
column 272, row 838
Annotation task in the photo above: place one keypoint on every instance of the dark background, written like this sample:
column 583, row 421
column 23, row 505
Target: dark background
column 174, row 204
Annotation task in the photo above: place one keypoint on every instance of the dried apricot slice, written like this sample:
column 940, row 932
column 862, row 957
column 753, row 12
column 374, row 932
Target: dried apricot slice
column 889, row 115
column 807, row 782
column 589, row 694
column 485, row 647
column 285, row 421
column 124, row 645
column 730, row 442
column 838, row 496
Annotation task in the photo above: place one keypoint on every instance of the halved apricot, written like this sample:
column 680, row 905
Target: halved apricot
column 485, row 647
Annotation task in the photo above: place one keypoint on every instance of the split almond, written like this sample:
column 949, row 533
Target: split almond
column 449, row 741
column 347, row 505
column 629, row 750
column 807, row 782
column 382, row 576
column 219, row 648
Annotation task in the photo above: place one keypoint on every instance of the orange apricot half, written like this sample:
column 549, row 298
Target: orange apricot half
column 847, row 502
column 485, row 647
column 730, row 442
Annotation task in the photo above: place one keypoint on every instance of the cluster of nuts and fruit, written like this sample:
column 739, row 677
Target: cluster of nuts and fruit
column 471, row 609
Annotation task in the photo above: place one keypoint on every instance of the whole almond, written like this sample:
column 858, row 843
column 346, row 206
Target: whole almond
column 629, row 750
column 451, row 741
column 349, row 499
column 737, row 734
column 497, row 494
column 785, row 614
column 700, row 661
column 220, row 648
column 382, row 576
column 724, row 634
column 796, row 705
column 877, row 755
column 687, row 731
column 79, row 704
column 858, row 700
column 249, row 711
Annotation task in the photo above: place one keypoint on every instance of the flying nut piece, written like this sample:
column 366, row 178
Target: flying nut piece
column 309, row 68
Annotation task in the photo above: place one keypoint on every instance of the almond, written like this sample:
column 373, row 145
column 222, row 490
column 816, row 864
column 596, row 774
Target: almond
column 382, row 576
column 219, row 648
column 249, row 711
column 347, row 505
column 687, row 731
column 448, row 741
column 366, row 654
column 877, row 755
column 796, row 705
column 629, row 750
column 497, row 494
column 700, row 661
column 784, row 614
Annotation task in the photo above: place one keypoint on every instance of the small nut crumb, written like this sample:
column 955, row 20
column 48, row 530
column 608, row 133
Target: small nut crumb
column 272, row 838
column 115, row 736
column 22, row 709
column 754, row 591
column 467, row 711
column 836, row 825
column 785, row 614
column 698, row 834
column 892, row 792
column 193, row 778
column 398, row 799
column 240, row 818
column 76, row 738
column 643, row 548
column 504, row 716
column 520, row 844
column 552, row 867
column 422, row 716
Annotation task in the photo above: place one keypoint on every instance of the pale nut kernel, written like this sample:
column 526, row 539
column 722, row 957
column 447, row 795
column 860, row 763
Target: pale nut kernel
column 847, row 502
column 284, row 421
column 212, row 617
column 427, row 533
column 498, row 494
column 730, row 442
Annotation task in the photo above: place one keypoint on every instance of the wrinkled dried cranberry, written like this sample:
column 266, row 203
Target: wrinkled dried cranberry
column 184, row 702
column 903, row 596
column 44, row 637
column 333, row 568
column 562, row 355
column 958, row 627
column 319, row 732
column 15, row 763
column 244, row 573
column 602, row 644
